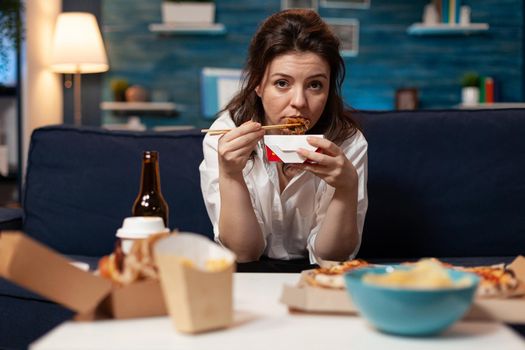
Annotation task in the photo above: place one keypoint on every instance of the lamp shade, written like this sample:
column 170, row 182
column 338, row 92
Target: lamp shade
column 77, row 45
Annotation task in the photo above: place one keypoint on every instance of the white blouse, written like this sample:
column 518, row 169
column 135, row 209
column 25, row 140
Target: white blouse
column 291, row 220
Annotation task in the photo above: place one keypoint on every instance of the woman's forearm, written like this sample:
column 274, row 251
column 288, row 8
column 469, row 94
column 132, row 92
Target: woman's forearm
column 339, row 236
column 238, row 226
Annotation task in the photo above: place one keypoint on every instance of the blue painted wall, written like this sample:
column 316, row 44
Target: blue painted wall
column 388, row 57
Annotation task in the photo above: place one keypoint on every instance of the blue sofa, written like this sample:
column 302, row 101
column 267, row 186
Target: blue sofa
column 448, row 184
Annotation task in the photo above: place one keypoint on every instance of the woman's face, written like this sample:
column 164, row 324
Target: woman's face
column 294, row 85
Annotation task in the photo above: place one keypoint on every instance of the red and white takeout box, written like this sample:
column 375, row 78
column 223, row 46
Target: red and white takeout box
column 283, row 148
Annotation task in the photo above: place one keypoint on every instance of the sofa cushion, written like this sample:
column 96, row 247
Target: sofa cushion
column 23, row 321
column 445, row 183
column 11, row 218
column 11, row 289
column 82, row 182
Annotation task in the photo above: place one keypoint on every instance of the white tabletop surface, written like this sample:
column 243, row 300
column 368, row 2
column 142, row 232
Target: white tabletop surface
column 262, row 322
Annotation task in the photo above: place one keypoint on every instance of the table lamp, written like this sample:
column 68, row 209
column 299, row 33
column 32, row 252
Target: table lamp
column 78, row 49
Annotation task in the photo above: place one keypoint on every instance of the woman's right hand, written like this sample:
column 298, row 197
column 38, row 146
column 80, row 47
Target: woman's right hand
column 236, row 146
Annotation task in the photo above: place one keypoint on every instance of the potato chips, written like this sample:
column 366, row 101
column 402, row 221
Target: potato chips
column 425, row 274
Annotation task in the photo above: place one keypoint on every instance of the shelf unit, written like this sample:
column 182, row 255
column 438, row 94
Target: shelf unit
column 495, row 105
column 188, row 28
column 447, row 29
column 157, row 108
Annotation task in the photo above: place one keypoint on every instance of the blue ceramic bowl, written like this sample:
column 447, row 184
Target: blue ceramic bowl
column 412, row 312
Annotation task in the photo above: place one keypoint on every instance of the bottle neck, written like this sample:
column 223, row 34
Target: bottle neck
column 150, row 179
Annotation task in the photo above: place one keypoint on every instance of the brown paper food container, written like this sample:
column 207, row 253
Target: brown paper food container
column 35, row 267
column 139, row 299
column 305, row 298
column 41, row 270
column 198, row 300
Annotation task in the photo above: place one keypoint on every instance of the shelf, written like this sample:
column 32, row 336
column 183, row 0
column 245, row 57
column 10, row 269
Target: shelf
column 447, row 29
column 157, row 108
column 188, row 28
column 495, row 105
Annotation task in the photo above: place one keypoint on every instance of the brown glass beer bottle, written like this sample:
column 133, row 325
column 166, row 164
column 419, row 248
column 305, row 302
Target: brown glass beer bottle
column 150, row 201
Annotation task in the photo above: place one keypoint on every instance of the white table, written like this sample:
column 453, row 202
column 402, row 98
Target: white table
column 262, row 322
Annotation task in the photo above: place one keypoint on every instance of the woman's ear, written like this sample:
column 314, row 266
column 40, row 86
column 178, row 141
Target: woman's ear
column 258, row 90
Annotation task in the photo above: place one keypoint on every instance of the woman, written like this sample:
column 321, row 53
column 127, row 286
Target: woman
column 294, row 69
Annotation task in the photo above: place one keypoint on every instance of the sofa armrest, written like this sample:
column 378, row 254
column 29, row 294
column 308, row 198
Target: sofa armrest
column 11, row 218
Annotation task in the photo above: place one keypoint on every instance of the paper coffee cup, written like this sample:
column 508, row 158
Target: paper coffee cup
column 139, row 227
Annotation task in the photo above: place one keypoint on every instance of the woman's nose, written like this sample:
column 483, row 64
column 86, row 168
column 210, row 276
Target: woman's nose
column 298, row 98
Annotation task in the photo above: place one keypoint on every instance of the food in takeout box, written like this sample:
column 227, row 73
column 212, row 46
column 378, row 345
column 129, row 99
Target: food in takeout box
column 197, row 281
column 37, row 268
column 505, row 302
column 283, row 148
column 138, row 264
column 211, row 265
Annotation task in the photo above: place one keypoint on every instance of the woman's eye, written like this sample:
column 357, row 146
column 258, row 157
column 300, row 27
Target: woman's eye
column 316, row 85
column 281, row 83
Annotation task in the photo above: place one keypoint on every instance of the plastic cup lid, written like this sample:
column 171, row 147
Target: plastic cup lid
column 123, row 233
column 141, row 227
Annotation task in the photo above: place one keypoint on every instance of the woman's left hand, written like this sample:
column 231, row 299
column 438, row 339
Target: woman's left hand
column 331, row 165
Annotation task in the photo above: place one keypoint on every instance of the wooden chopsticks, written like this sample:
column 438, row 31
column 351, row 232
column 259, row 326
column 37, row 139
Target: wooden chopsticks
column 265, row 127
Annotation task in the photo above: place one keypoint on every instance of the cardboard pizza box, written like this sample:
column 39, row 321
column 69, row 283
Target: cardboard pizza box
column 41, row 270
column 510, row 310
column 306, row 298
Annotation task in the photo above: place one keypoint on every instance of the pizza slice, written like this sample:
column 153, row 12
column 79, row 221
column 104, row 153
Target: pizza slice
column 332, row 276
column 496, row 281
